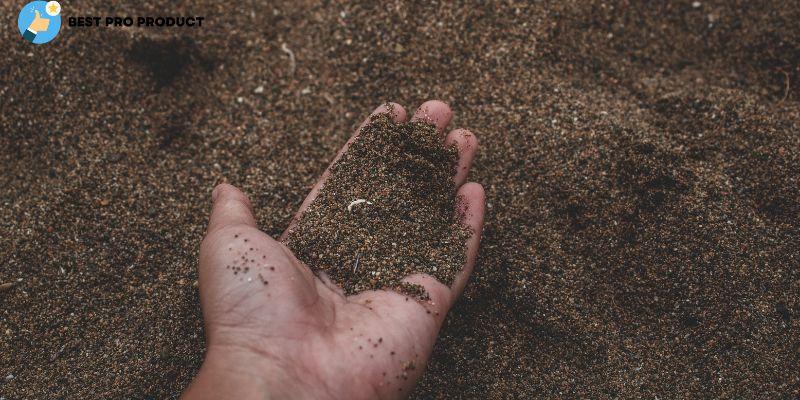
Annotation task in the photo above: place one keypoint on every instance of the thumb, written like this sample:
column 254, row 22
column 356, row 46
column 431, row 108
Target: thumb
column 37, row 14
column 231, row 208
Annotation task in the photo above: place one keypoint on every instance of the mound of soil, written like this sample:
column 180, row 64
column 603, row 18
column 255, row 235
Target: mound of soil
column 641, row 163
column 386, row 211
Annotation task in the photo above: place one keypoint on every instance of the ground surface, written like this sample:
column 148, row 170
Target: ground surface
column 641, row 164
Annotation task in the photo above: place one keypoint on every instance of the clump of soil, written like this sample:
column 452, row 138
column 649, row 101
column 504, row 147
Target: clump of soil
column 386, row 211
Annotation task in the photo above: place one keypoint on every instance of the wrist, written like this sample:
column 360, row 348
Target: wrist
column 236, row 373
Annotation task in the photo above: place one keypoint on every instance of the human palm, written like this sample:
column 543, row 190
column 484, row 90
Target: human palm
column 275, row 330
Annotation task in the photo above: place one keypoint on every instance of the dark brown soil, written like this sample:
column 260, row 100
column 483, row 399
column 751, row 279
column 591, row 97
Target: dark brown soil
column 641, row 164
column 386, row 211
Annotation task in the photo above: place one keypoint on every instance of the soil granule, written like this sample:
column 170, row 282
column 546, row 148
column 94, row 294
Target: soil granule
column 641, row 162
column 386, row 211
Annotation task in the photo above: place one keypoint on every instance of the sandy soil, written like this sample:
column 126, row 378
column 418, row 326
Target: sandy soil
column 641, row 165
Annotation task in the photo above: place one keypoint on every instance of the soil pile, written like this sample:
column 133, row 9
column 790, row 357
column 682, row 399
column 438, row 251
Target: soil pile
column 386, row 211
column 641, row 162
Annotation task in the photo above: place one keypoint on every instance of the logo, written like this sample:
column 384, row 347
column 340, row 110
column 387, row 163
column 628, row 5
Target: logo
column 40, row 21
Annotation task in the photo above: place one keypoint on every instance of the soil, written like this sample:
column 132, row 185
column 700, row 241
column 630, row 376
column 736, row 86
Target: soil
column 641, row 163
column 386, row 211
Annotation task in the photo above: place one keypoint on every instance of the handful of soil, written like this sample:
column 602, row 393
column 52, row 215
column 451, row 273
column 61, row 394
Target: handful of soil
column 387, row 210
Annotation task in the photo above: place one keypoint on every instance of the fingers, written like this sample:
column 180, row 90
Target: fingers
column 231, row 208
column 434, row 112
column 470, row 208
column 440, row 115
column 467, row 144
column 398, row 114
column 471, row 203
column 442, row 297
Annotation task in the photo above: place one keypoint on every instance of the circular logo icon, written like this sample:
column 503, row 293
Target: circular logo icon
column 40, row 21
column 52, row 8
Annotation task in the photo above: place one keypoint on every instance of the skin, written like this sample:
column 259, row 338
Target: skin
column 39, row 24
column 298, row 336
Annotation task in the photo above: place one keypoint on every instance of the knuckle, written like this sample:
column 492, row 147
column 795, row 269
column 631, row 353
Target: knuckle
column 228, row 193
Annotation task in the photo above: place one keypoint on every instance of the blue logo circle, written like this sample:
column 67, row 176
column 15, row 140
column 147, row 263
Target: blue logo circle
column 40, row 21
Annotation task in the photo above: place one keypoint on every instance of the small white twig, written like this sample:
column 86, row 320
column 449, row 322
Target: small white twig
column 355, row 264
column 357, row 202
column 292, row 62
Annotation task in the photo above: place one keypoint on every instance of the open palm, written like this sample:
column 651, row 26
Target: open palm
column 275, row 330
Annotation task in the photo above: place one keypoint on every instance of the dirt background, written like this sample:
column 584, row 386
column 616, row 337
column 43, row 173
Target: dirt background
column 641, row 163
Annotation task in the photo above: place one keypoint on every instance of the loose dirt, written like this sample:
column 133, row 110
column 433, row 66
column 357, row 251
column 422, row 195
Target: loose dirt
column 641, row 163
column 386, row 211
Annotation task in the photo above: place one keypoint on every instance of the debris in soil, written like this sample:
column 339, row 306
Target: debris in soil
column 6, row 286
column 415, row 291
column 386, row 211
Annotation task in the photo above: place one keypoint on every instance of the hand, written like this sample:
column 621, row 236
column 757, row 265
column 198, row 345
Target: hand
column 285, row 333
column 39, row 24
